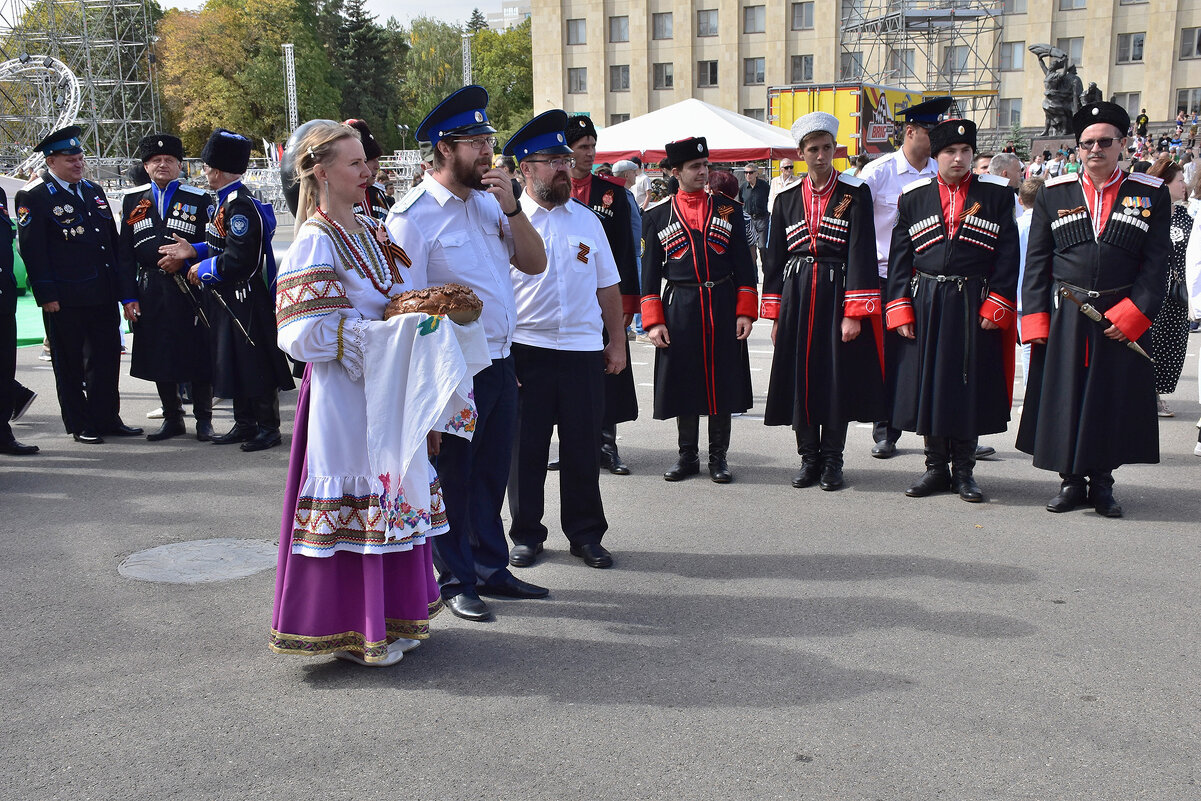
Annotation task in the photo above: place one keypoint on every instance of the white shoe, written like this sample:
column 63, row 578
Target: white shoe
column 395, row 654
column 157, row 414
column 1162, row 407
column 1197, row 449
column 45, row 355
column 404, row 644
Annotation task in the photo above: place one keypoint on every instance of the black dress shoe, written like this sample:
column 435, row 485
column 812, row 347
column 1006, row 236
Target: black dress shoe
column 507, row 585
column 682, row 470
column 468, row 607
column 884, row 449
column 719, row 471
column 88, row 437
column 807, row 475
column 1070, row 496
column 611, row 461
column 238, row 433
column 266, row 438
column 985, row 451
column 552, row 465
column 169, row 428
column 524, row 555
column 594, row 554
column 122, row 430
column 831, row 478
column 204, row 430
column 967, row 488
column 932, row 481
column 14, row 448
column 22, row 400
column 1104, row 503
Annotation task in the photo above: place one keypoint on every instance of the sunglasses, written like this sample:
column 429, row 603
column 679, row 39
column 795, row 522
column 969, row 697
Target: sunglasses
column 786, row 167
column 1105, row 142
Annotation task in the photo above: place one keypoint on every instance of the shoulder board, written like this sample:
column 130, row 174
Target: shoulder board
column 1066, row 178
column 918, row 184
column 86, row 182
column 794, row 185
column 849, row 180
column 994, row 179
column 1143, row 178
column 232, row 196
column 614, row 181
column 195, row 190
column 657, row 205
column 409, row 199
column 133, row 190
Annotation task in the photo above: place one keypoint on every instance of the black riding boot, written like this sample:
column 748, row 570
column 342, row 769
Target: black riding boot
column 1100, row 494
column 719, row 445
column 1073, row 492
column 811, row 464
column 963, row 462
column 833, row 441
column 610, row 458
column 689, row 464
column 937, row 477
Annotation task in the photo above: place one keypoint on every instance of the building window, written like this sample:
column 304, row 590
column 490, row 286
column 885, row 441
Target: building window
column 850, row 66
column 900, row 64
column 752, row 71
column 1069, row 5
column 619, row 29
column 577, row 80
column 954, row 60
column 706, row 22
column 661, row 26
column 1129, row 101
column 1014, row 7
column 614, row 119
column 802, row 69
column 1131, row 2
column 754, row 114
column 1009, row 112
column 1190, row 43
column 575, row 32
column 1013, row 55
column 1130, row 47
column 619, row 78
column 664, row 75
column 1074, row 47
column 1189, row 100
column 706, row 73
column 802, row 16
column 754, row 19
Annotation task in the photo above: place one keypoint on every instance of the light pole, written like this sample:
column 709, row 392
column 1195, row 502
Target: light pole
column 403, row 129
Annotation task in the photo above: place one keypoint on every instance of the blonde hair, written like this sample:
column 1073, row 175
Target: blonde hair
column 314, row 147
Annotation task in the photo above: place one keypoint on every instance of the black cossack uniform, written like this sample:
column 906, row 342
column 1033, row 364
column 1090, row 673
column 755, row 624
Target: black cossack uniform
column 378, row 199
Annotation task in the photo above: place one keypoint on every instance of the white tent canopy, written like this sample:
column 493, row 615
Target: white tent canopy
column 731, row 137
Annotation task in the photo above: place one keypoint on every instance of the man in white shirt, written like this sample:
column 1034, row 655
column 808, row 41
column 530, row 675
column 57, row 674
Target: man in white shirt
column 463, row 224
column 559, row 351
column 642, row 184
column 887, row 176
column 785, row 179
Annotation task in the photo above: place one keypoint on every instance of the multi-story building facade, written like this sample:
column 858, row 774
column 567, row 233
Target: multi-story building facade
column 615, row 59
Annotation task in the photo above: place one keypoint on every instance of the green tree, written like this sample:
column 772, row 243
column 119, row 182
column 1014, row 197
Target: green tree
column 503, row 65
column 433, row 68
column 478, row 21
column 1018, row 141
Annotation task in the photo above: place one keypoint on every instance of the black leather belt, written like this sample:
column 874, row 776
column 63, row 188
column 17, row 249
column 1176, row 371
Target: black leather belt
column 1093, row 293
column 696, row 284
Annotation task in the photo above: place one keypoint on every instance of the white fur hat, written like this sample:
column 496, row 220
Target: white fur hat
column 812, row 123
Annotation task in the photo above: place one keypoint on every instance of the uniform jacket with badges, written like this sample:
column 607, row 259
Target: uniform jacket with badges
column 697, row 283
column 379, row 200
column 955, row 379
column 814, row 274
column 69, row 243
column 171, row 338
column 1084, row 386
column 8, row 275
column 236, row 260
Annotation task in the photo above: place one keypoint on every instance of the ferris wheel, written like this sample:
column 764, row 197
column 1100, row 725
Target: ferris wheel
column 38, row 95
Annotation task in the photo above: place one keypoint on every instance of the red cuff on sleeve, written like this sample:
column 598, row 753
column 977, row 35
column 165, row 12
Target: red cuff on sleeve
column 652, row 311
column 1035, row 326
column 861, row 303
column 999, row 310
column 630, row 304
column 769, row 309
column 748, row 303
column 898, row 313
column 1129, row 320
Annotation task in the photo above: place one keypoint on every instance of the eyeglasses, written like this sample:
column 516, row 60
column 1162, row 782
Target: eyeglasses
column 785, row 166
column 479, row 142
column 1106, row 142
column 558, row 164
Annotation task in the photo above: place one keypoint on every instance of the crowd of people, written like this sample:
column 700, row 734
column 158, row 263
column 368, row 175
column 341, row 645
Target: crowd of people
column 898, row 295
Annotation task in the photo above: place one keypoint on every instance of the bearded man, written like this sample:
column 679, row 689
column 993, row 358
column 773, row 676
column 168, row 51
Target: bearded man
column 559, row 352
column 462, row 224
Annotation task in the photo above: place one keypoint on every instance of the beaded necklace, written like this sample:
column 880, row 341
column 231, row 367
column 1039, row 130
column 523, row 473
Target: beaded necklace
column 360, row 257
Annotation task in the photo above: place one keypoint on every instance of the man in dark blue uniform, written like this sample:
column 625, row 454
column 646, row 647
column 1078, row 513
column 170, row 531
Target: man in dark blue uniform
column 69, row 244
column 171, row 343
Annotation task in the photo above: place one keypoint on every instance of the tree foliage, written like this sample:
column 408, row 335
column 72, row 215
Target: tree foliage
column 478, row 21
column 502, row 65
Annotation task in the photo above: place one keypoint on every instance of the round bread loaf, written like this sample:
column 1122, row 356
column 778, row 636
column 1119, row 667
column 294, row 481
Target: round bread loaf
column 455, row 301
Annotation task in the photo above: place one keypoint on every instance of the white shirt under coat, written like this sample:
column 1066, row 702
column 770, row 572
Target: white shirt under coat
column 887, row 176
column 558, row 308
column 466, row 242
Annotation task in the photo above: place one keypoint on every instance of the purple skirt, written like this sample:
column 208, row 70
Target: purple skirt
column 348, row 601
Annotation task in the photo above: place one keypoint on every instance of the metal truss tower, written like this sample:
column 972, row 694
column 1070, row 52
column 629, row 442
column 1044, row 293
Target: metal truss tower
column 107, row 45
column 936, row 46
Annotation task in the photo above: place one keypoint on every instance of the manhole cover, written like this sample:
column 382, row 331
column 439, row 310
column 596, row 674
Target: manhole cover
column 199, row 561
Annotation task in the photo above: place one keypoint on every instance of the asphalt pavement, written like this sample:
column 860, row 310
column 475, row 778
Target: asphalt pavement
column 753, row 641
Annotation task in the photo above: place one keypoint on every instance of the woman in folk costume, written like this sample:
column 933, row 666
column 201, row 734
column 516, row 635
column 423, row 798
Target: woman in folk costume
column 355, row 573
column 819, row 284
